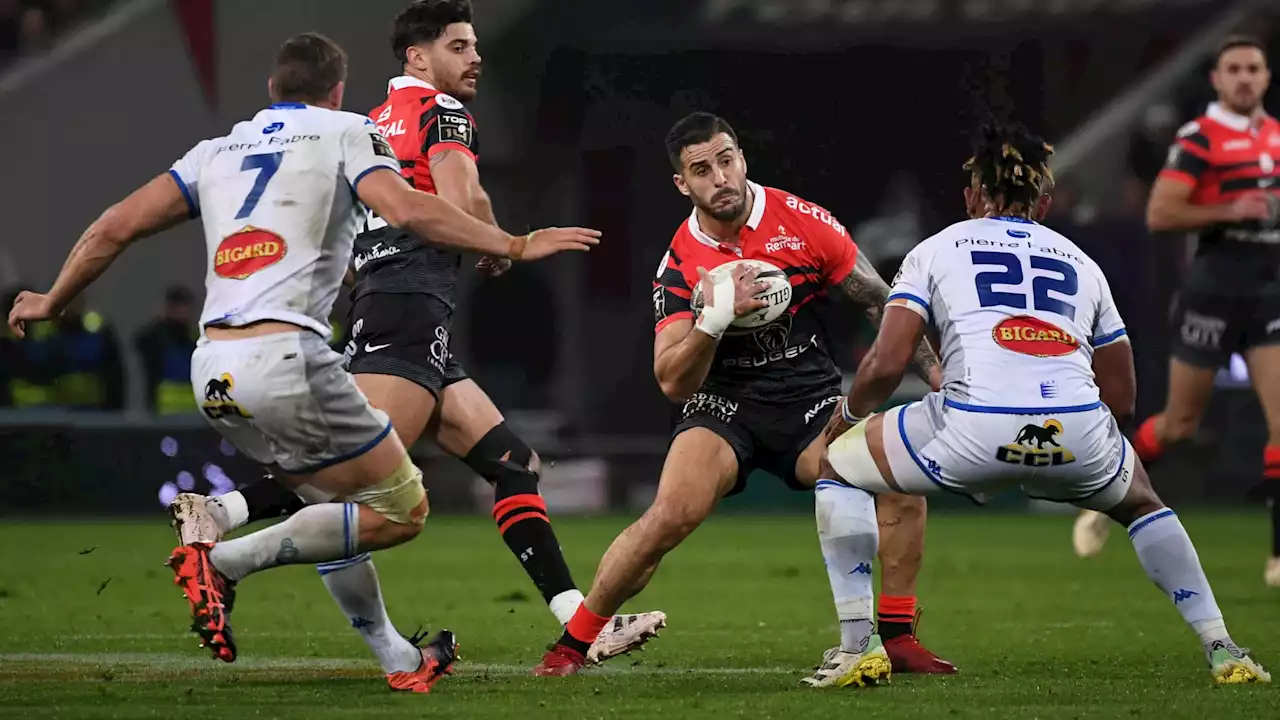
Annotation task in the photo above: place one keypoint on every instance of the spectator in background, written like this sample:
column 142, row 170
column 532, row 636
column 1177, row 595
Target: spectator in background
column 165, row 348
column 10, row 25
column 33, row 29
column 91, row 370
column 1150, row 143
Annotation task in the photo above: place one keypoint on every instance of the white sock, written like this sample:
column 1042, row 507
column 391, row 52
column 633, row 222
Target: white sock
column 354, row 585
column 850, row 538
column 564, row 605
column 235, row 510
column 314, row 534
column 1166, row 553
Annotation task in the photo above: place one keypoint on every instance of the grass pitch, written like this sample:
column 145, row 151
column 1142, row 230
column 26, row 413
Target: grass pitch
column 90, row 627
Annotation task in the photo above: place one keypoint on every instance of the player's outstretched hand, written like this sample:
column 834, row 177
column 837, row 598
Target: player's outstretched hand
column 549, row 241
column 31, row 307
column 493, row 266
column 1254, row 206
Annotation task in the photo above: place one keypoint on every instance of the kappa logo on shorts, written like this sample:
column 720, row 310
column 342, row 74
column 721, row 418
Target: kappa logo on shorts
column 218, row 402
column 1029, row 447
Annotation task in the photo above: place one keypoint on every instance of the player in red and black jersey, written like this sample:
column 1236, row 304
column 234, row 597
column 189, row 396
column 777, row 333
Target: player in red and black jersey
column 1221, row 182
column 752, row 399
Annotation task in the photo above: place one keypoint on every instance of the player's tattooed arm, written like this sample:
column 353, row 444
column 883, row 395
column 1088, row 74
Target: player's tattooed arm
column 868, row 290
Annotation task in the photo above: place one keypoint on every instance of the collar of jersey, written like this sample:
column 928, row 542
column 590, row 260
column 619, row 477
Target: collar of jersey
column 753, row 220
column 404, row 81
column 1220, row 114
column 288, row 106
column 1006, row 218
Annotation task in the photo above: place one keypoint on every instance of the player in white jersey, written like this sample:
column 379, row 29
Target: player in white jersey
column 1036, row 370
column 280, row 198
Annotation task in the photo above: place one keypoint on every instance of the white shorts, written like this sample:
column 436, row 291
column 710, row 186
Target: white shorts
column 1073, row 455
column 285, row 401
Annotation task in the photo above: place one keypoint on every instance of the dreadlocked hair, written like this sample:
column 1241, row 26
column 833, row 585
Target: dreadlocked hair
column 1013, row 165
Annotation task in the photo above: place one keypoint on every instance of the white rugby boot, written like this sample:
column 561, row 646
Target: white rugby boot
column 1090, row 533
column 841, row 669
column 197, row 518
column 625, row 633
column 1231, row 665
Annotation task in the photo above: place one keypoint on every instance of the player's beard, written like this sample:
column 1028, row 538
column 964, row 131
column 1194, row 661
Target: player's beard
column 1244, row 101
column 726, row 213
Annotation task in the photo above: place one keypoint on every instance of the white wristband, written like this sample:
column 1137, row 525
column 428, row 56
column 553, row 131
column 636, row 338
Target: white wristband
column 717, row 315
column 849, row 418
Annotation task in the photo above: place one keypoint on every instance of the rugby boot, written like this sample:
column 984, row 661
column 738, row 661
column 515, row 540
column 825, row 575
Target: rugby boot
column 197, row 519
column 842, row 669
column 210, row 595
column 1089, row 535
column 625, row 633
column 1272, row 573
column 560, row 661
column 438, row 657
column 1231, row 665
column 909, row 656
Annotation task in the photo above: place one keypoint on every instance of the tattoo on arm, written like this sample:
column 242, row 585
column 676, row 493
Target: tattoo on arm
column 865, row 287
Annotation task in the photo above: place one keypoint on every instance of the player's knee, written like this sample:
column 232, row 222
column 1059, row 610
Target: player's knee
column 400, row 498
column 506, row 462
column 669, row 524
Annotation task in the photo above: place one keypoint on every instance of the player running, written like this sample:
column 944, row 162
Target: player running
column 402, row 309
column 279, row 197
column 752, row 399
column 1218, row 183
column 1038, row 376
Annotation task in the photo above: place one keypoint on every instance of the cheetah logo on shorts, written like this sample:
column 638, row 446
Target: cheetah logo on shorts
column 1029, row 447
column 218, row 402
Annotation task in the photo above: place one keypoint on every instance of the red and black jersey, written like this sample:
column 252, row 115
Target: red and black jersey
column 1223, row 155
column 419, row 122
column 788, row 359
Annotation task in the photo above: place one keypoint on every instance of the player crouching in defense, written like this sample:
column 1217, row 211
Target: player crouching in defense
column 1038, row 377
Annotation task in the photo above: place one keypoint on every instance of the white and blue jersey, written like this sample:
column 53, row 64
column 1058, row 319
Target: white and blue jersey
column 1019, row 311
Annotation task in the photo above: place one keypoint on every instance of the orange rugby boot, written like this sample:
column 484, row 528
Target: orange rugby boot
column 210, row 595
column 438, row 657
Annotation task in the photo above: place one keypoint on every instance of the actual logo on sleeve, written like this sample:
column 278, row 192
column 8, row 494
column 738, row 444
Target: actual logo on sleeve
column 448, row 102
column 1031, row 336
column 248, row 251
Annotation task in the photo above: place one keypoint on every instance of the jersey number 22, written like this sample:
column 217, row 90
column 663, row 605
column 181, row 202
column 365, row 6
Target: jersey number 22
column 1067, row 285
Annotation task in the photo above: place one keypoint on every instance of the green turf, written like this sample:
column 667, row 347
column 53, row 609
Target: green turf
column 1036, row 632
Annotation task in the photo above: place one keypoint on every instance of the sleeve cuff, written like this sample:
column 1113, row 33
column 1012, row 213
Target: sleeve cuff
column 914, row 303
column 1110, row 338
column 192, row 208
column 664, row 322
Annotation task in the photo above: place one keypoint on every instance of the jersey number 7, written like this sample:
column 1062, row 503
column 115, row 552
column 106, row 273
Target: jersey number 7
column 1066, row 286
column 266, row 164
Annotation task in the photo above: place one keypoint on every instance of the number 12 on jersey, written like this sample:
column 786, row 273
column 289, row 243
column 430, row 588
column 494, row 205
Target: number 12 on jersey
column 1067, row 285
column 266, row 164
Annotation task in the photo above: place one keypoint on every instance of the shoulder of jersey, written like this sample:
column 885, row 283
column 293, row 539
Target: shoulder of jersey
column 1189, row 129
column 448, row 102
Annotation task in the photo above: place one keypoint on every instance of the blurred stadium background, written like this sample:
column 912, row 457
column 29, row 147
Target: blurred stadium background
column 862, row 105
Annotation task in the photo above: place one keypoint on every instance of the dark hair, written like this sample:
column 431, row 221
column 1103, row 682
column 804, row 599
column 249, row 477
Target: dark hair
column 1238, row 41
column 694, row 129
column 1012, row 164
column 307, row 67
column 424, row 21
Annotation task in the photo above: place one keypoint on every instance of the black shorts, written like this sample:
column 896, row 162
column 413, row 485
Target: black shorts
column 1218, row 312
column 405, row 335
column 763, row 437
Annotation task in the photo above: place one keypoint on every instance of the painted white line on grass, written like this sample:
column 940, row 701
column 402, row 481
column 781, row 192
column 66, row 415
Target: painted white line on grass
column 175, row 661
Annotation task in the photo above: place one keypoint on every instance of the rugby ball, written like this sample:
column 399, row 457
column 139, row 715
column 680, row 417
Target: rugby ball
column 777, row 294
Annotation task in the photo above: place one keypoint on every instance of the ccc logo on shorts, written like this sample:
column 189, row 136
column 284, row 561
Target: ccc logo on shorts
column 1029, row 447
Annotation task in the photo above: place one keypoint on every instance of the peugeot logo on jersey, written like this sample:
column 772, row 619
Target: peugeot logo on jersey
column 273, row 128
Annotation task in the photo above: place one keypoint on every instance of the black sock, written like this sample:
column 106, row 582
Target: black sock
column 522, row 520
column 890, row 628
column 268, row 499
column 520, row 512
column 573, row 643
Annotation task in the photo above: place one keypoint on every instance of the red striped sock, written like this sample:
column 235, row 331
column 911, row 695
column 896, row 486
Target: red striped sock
column 1271, row 462
column 1145, row 441
column 896, row 614
column 583, row 629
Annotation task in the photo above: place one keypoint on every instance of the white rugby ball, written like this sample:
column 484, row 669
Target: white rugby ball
column 777, row 294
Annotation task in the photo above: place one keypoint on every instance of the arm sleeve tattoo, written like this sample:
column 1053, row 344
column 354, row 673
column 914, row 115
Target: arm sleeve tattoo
column 865, row 287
